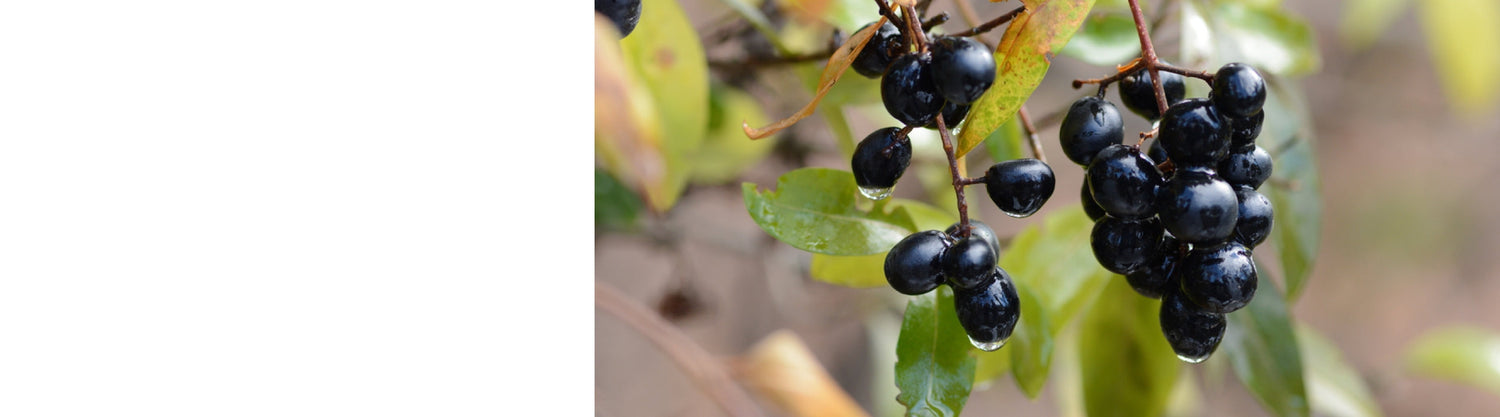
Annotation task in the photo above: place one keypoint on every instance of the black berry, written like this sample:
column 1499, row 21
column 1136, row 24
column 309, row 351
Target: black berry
column 1243, row 131
column 1155, row 278
column 1124, row 182
column 908, row 91
column 1125, row 246
column 1019, row 187
column 880, row 159
column 1091, row 125
column 1250, row 167
column 1198, row 208
column 989, row 312
column 980, row 230
column 1192, row 332
column 1219, row 278
column 872, row 60
column 1193, row 135
column 624, row 13
column 1090, row 207
column 1139, row 95
column 964, row 68
column 914, row 265
column 968, row 263
column 1156, row 153
column 952, row 115
column 1256, row 217
column 1239, row 91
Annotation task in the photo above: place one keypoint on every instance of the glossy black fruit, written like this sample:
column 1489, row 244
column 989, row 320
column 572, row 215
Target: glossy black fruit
column 1243, row 131
column 1198, row 208
column 1125, row 246
column 1239, row 90
column 1124, row 182
column 1192, row 332
column 624, row 13
column 1139, row 95
column 1156, row 153
column 1091, row 125
column 989, row 312
column 872, row 61
column 1090, row 207
column 953, row 114
column 1020, row 186
column 1219, row 278
column 908, row 90
column 964, row 68
column 881, row 158
column 1193, row 134
column 1155, row 278
column 968, row 263
column 978, row 229
column 915, row 265
column 1256, row 217
column 1250, row 167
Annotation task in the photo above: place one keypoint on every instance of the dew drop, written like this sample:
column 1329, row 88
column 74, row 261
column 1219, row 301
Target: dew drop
column 1016, row 215
column 1192, row 359
column 987, row 346
column 875, row 193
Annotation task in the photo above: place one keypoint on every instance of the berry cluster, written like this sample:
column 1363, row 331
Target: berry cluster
column 984, row 297
column 1184, row 235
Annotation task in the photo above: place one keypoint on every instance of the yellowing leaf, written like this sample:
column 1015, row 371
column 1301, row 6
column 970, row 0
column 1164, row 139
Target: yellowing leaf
column 627, row 132
column 1465, row 45
column 665, row 55
column 781, row 369
column 836, row 65
column 1022, row 59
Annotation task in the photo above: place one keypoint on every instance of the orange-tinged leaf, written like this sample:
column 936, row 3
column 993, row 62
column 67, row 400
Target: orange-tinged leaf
column 627, row 130
column 837, row 64
column 1021, row 60
column 784, row 371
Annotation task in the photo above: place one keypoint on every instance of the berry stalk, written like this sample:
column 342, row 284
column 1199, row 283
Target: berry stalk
column 958, row 178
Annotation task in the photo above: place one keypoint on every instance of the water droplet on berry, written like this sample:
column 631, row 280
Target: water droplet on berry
column 1016, row 215
column 875, row 193
column 1192, row 359
column 987, row 346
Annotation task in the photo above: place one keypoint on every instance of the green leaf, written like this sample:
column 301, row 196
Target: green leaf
column 991, row 365
column 615, row 207
column 1007, row 142
column 1269, row 39
column 865, row 271
column 1021, row 61
column 814, row 209
column 1365, row 20
column 1262, row 348
column 1463, row 354
column 934, row 367
column 726, row 152
column 669, row 61
column 1056, row 275
column 847, row 15
column 1465, row 45
column 1105, row 39
column 1128, row 367
column 1294, row 188
column 1031, row 346
column 1334, row 386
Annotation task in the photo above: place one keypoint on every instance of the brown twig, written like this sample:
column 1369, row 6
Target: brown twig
column 958, row 178
column 972, row 19
column 934, row 21
column 1148, row 53
column 1031, row 136
column 993, row 23
column 706, row 370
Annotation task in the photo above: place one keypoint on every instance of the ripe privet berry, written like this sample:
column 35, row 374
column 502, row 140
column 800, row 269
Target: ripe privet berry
column 1219, row 278
column 1239, row 90
column 1256, row 217
column 1125, row 246
column 989, row 312
column 1243, row 131
column 1193, row 134
column 1192, row 332
column 872, row 60
column 881, row 158
column 1156, row 153
column 1091, row 125
column 1139, row 95
column 915, row 265
column 953, row 114
column 1250, row 167
column 1090, row 207
column 624, row 13
column 964, row 68
column 968, row 263
column 1197, row 207
column 1020, row 186
column 1124, row 182
column 908, row 91
column 980, row 230
column 1155, row 278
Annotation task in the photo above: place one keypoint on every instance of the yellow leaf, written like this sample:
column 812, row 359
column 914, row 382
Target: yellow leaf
column 836, row 65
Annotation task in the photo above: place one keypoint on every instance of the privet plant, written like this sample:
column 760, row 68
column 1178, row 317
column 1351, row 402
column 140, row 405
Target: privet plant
column 1181, row 214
